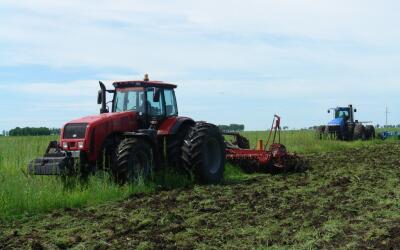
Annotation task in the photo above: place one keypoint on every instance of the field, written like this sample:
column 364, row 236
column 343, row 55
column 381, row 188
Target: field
column 349, row 198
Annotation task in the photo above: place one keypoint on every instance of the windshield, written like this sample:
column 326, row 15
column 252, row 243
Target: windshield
column 132, row 99
column 342, row 114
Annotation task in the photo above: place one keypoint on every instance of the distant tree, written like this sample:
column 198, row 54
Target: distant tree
column 223, row 127
column 29, row 131
column 55, row 131
column 232, row 127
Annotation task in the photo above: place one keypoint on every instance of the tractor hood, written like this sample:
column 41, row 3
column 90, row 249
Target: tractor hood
column 126, row 117
column 337, row 122
column 99, row 126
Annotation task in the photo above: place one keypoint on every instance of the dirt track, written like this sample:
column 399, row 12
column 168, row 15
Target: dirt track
column 346, row 200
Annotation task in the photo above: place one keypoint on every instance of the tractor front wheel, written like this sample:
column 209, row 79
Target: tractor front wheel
column 203, row 153
column 134, row 161
column 320, row 130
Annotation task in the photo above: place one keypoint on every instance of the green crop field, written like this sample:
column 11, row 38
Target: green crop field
column 348, row 198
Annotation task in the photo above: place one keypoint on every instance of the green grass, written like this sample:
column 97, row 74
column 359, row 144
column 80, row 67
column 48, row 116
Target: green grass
column 21, row 194
column 306, row 141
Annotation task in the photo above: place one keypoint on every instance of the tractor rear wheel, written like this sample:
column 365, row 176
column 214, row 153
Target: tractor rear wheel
column 359, row 132
column 370, row 132
column 203, row 153
column 134, row 161
column 174, row 147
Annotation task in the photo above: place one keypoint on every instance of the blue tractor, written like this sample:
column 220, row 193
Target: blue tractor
column 344, row 127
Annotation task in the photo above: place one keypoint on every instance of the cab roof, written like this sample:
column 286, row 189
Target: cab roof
column 143, row 83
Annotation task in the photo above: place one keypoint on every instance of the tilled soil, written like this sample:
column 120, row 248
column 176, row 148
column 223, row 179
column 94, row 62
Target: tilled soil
column 346, row 200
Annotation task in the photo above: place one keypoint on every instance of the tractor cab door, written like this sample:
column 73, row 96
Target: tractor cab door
column 171, row 108
column 155, row 105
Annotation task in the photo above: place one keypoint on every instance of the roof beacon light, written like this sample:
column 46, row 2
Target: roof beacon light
column 146, row 77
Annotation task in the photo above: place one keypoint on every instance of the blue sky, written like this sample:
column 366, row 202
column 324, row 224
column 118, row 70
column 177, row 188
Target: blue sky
column 234, row 61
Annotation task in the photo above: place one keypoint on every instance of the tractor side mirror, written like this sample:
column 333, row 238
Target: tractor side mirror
column 99, row 97
column 156, row 95
column 329, row 111
column 355, row 110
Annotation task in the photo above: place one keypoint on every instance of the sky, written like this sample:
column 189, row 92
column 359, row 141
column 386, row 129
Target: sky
column 233, row 61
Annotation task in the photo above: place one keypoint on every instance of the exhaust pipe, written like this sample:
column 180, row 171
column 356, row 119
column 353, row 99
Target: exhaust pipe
column 102, row 98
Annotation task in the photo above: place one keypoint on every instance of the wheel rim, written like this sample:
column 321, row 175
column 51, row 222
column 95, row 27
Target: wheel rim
column 138, row 167
column 212, row 155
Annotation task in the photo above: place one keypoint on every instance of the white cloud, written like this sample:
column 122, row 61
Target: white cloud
column 321, row 53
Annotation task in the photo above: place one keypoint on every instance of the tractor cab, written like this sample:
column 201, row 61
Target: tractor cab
column 343, row 114
column 152, row 101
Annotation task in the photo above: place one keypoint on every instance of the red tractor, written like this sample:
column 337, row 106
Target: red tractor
column 142, row 131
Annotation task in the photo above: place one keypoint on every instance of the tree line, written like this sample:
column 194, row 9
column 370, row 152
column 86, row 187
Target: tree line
column 30, row 131
column 231, row 127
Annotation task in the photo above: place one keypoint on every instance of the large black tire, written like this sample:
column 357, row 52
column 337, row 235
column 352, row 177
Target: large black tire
column 107, row 156
column 349, row 132
column 174, row 147
column 203, row 153
column 339, row 135
column 328, row 132
column 359, row 132
column 369, row 132
column 134, row 161
column 320, row 130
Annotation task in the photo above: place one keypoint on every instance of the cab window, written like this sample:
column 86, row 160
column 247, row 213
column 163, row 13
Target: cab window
column 170, row 102
column 342, row 114
column 129, row 100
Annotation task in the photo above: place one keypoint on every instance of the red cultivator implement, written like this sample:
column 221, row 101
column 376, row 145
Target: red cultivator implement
column 271, row 157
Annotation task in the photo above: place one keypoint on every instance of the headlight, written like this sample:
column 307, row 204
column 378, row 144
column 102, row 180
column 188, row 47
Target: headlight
column 80, row 145
column 65, row 145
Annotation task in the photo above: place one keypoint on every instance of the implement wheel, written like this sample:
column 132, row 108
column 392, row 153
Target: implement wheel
column 203, row 153
column 241, row 142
